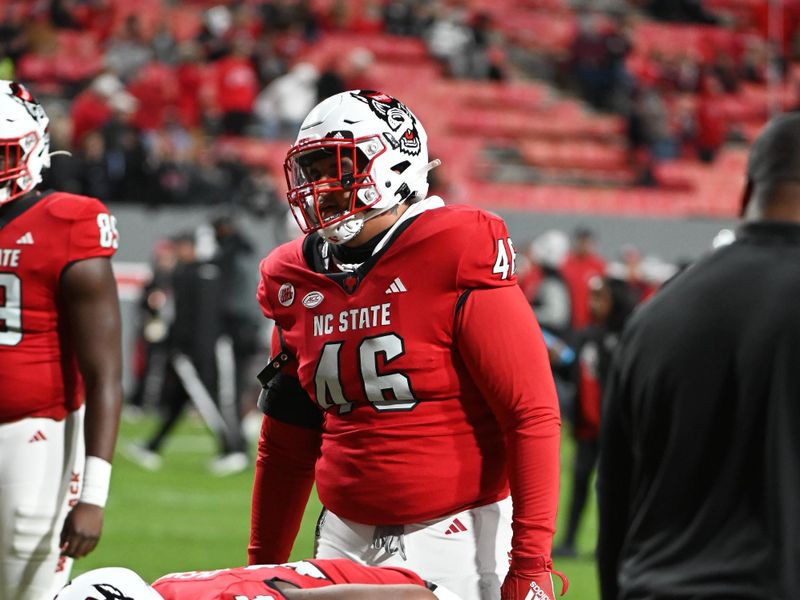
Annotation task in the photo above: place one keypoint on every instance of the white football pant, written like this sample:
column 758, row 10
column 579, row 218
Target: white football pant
column 466, row 552
column 41, row 472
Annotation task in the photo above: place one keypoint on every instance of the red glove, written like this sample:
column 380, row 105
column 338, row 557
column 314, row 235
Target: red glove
column 531, row 579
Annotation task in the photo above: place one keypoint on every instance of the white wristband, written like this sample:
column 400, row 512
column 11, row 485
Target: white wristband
column 96, row 481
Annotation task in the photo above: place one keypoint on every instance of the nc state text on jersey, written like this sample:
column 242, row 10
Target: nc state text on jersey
column 353, row 319
column 9, row 257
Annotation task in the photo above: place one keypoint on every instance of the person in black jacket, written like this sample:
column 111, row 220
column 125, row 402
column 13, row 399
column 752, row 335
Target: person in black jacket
column 698, row 482
column 611, row 302
column 194, row 371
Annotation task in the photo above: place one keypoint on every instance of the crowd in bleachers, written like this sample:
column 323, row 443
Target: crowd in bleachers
column 176, row 102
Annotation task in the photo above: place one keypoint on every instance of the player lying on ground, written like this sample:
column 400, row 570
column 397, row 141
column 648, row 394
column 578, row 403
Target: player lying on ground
column 304, row 580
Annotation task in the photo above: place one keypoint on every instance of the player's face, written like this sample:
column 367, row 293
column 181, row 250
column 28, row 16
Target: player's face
column 600, row 300
column 9, row 157
column 332, row 202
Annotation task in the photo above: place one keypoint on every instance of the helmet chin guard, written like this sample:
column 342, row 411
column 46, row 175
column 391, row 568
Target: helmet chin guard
column 363, row 148
column 343, row 231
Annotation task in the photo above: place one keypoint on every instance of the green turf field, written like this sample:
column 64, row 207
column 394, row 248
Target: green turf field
column 180, row 518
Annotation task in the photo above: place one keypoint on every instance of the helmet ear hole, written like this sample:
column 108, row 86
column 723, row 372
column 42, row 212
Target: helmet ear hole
column 400, row 167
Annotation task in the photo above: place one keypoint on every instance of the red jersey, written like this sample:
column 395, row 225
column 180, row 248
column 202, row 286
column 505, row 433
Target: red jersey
column 401, row 408
column 40, row 371
column 577, row 271
column 251, row 582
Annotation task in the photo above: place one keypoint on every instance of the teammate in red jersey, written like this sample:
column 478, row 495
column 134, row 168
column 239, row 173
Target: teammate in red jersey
column 59, row 345
column 303, row 580
column 410, row 379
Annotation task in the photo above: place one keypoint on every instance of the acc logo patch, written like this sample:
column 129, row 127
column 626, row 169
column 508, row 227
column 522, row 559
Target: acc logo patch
column 286, row 294
column 313, row 299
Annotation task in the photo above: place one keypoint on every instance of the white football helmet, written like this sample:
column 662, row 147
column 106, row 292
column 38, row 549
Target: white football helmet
column 108, row 583
column 385, row 144
column 24, row 141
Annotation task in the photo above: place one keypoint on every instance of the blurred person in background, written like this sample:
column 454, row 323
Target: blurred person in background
column 285, row 102
column 698, row 484
column 369, row 401
column 550, row 297
column 712, row 127
column 235, row 258
column 156, row 310
column 237, row 88
column 196, row 366
column 580, row 265
column 611, row 302
column 302, row 580
column 61, row 355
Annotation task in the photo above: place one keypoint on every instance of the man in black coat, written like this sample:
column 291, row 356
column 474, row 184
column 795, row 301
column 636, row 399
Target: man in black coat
column 699, row 476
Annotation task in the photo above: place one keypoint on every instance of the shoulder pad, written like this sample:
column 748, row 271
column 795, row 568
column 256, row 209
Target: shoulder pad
column 72, row 207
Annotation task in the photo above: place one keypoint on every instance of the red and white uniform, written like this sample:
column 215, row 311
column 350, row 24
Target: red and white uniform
column 252, row 582
column 40, row 374
column 41, row 435
column 435, row 384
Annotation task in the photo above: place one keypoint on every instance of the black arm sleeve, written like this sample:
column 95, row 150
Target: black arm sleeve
column 285, row 400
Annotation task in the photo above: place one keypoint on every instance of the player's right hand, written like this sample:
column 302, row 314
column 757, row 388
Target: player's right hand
column 531, row 580
column 81, row 530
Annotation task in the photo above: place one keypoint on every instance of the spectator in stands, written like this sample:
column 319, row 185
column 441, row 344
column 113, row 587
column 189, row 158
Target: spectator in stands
column 127, row 51
column 93, row 175
column 212, row 38
column 402, row 17
column 356, row 70
column 725, row 70
column 14, row 40
column 237, row 88
column 684, row 11
column 610, row 303
column 330, row 80
column 711, row 124
column 95, row 106
column 164, row 45
column 190, row 101
column 285, row 102
column 581, row 264
column 589, row 60
column 450, row 40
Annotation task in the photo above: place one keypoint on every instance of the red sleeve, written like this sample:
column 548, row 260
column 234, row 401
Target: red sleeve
column 343, row 570
column 498, row 337
column 261, row 295
column 284, row 476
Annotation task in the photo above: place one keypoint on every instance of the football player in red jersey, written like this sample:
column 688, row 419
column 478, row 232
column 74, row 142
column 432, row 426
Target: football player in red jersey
column 303, row 580
column 59, row 346
column 410, row 379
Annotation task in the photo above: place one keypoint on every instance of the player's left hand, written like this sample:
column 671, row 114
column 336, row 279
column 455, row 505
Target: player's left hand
column 531, row 582
column 81, row 530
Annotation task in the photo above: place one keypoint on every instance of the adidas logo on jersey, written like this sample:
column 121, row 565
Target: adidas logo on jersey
column 455, row 527
column 26, row 239
column 37, row 437
column 396, row 287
